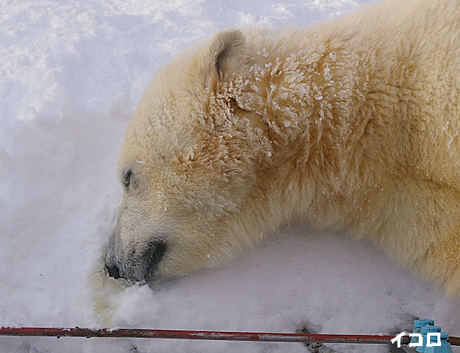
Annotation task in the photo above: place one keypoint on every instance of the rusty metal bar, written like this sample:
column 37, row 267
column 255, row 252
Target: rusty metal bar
column 454, row 341
column 203, row 335
column 198, row 335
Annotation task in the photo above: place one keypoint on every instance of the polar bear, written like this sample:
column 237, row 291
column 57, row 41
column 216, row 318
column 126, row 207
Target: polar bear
column 349, row 124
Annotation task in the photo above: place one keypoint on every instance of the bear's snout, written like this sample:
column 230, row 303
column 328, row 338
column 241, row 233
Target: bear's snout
column 137, row 266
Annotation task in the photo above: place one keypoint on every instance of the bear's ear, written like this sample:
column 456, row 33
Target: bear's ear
column 227, row 54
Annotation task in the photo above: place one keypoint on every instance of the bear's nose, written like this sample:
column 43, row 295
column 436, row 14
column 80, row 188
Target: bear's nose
column 113, row 271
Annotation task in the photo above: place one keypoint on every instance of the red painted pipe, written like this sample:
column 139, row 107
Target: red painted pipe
column 199, row 335
column 203, row 335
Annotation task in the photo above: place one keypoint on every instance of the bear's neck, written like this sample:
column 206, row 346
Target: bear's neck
column 328, row 109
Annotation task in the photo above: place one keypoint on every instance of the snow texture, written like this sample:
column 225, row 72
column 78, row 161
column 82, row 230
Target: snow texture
column 71, row 75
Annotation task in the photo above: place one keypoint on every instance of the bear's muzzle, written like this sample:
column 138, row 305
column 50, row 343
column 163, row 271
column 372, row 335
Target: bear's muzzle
column 137, row 267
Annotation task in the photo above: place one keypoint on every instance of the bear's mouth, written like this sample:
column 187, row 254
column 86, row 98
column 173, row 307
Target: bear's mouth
column 154, row 256
column 135, row 269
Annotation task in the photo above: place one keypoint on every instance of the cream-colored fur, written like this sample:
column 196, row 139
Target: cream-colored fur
column 348, row 124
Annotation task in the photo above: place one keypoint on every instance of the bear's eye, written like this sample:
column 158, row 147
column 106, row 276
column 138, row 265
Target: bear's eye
column 126, row 177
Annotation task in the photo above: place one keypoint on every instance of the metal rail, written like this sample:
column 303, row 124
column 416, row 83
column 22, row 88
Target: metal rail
column 203, row 335
column 194, row 335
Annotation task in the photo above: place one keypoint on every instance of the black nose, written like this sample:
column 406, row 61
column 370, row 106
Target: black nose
column 113, row 271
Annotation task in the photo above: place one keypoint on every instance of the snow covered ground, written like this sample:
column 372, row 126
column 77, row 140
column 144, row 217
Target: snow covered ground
column 71, row 74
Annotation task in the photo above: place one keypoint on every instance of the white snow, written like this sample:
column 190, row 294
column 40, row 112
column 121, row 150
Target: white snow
column 71, row 74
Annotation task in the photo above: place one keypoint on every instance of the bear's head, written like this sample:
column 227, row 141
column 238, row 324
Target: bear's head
column 191, row 167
